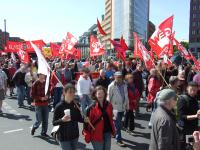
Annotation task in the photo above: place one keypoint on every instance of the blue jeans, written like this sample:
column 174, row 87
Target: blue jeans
column 42, row 116
column 85, row 102
column 57, row 93
column 21, row 91
column 105, row 145
column 29, row 99
column 69, row 145
column 118, row 125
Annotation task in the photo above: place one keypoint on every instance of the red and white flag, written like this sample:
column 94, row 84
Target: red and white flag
column 101, row 31
column 167, row 61
column 182, row 49
column 143, row 52
column 96, row 48
column 161, row 40
column 24, row 57
column 68, row 44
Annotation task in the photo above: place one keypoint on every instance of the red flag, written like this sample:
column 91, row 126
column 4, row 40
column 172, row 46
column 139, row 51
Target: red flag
column 100, row 28
column 96, row 48
column 143, row 52
column 26, row 45
column 55, row 49
column 196, row 62
column 68, row 44
column 117, row 46
column 137, row 52
column 123, row 43
column 24, row 57
column 78, row 54
column 182, row 49
column 161, row 40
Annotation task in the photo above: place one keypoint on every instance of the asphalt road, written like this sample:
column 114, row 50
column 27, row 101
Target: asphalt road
column 15, row 126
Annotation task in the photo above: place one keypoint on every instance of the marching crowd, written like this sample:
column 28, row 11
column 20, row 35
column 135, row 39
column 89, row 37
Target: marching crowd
column 110, row 103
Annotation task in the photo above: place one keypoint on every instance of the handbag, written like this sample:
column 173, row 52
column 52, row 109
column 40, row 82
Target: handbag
column 54, row 132
column 87, row 131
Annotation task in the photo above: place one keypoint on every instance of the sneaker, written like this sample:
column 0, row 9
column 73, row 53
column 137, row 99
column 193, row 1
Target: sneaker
column 33, row 131
column 131, row 133
column 52, row 110
column 121, row 144
column 45, row 135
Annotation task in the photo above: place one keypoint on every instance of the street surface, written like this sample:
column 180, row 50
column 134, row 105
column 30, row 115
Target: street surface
column 15, row 126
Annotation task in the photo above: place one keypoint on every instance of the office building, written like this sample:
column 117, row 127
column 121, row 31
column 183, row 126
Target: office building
column 194, row 29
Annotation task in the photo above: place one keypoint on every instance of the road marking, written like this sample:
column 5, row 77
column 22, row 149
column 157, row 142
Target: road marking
column 11, row 131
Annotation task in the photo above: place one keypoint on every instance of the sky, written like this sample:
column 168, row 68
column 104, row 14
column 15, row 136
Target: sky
column 50, row 20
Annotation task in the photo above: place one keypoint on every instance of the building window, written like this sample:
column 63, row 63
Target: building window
column 193, row 32
column 194, row 7
column 194, row 15
column 193, row 24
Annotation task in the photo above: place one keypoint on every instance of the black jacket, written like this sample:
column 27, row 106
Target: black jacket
column 68, row 130
column 103, row 82
column 19, row 78
column 188, row 106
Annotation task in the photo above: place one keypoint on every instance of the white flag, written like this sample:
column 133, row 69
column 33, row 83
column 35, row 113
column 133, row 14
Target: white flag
column 43, row 66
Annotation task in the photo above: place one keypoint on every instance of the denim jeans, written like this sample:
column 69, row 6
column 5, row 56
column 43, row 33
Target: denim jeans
column 21, row 94
column 29, row 99
column 85, row 102
column 57, row 93
column 42, row 116
column 69, row 145
column 105, row 145
column 118, row 125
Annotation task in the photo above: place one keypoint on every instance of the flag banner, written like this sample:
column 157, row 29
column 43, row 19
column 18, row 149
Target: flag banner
column 161, row 40
column 46, row 51
column 118, row 47
column 77, row 54
column 15, row 46
column 144, row 53
column 68, row 44
column 55, row 49
column 24, row 57
column 101, row 31
column 182, row 49
column 167, row 61
column 196, row 62
column 96, row 48
column 123, row 43
column 43, row 66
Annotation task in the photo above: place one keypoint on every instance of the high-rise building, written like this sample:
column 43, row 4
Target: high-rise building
column 107, row 23
column 194, row 31
column 123, row 17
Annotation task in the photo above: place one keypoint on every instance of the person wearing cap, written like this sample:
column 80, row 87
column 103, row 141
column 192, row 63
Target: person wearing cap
column 84, row 87
column 118, row 96
column 188, row 111
column 164, row 135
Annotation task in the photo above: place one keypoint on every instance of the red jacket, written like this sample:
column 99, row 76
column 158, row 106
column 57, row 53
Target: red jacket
column 153, row 87
column 133, row 95
column 94, row 114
